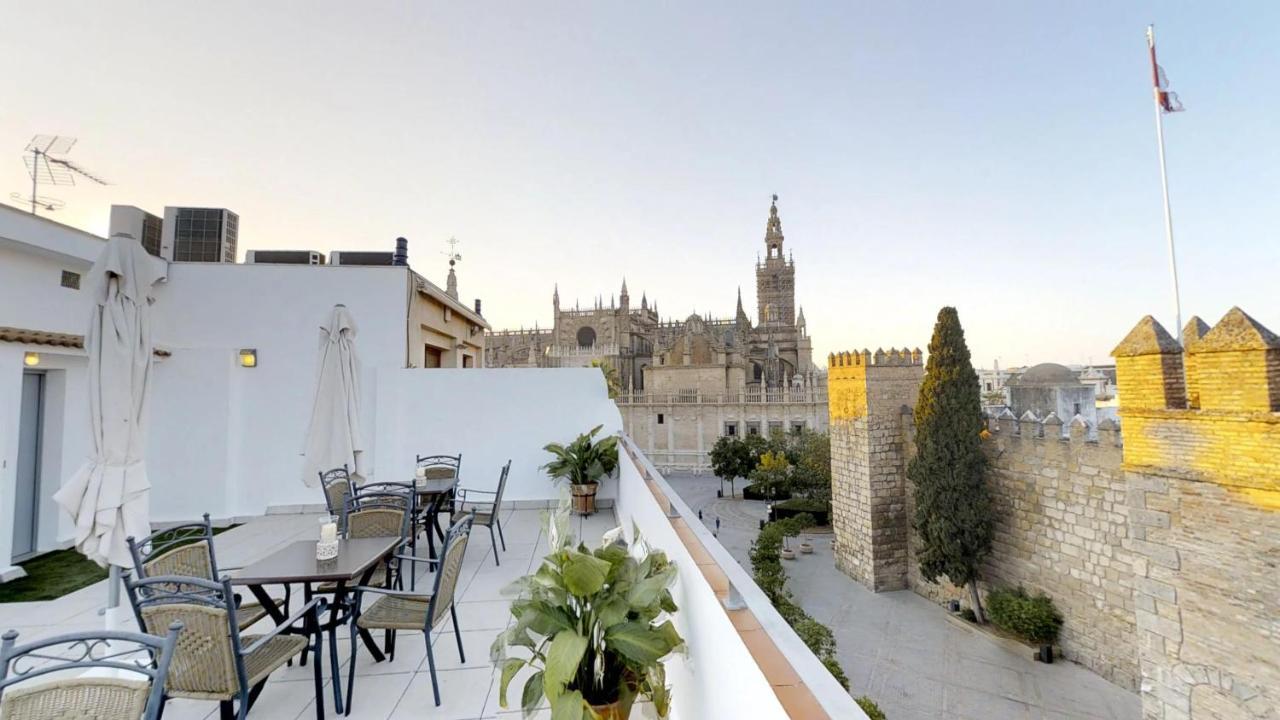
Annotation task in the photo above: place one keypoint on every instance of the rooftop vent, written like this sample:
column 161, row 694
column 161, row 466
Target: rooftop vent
column 361, row 257
column 284, row 257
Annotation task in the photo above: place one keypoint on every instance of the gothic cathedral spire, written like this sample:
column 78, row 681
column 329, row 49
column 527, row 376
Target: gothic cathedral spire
column 773, row 232
column 775, row 277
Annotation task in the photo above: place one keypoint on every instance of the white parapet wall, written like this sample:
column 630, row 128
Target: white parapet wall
column 490, row 416
column 719, row 676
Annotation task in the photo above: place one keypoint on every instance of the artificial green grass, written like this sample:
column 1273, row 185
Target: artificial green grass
column 51, row 576
column 54, row 574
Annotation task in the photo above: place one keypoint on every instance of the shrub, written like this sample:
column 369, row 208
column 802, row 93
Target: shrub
column 772, row 474
column 870, row 707
column 1035, row 619
column 766, row 566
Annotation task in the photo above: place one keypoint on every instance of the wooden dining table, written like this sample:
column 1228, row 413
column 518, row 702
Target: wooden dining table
column 296, row 563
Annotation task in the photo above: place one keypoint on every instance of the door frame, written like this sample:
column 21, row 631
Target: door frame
column 38, row 450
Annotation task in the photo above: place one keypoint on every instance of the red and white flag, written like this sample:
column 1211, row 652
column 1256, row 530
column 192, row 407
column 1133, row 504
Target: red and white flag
column 1167, row 99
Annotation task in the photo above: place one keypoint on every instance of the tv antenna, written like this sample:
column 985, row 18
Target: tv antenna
column 453, row 254
column 45, row 165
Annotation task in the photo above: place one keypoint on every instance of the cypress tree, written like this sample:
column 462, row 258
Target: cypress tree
column 953, row 514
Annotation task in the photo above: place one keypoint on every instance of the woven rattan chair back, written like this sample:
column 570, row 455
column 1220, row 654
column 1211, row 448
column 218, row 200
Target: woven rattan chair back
column 185, row 550
column 440, row 467
column 377, row 514
column 337, row 487
column 132, row 688
column 204, row 662
column 502, row 487
column 455, row 549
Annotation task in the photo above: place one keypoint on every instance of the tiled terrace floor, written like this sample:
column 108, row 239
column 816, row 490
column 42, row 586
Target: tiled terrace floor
column 904, row 651
column 386, row 691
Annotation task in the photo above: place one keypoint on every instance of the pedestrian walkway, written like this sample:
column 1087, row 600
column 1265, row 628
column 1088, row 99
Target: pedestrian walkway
column 904, row 651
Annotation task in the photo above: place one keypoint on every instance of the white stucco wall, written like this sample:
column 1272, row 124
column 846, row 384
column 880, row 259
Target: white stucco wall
column 490, row 415
column 227, row 439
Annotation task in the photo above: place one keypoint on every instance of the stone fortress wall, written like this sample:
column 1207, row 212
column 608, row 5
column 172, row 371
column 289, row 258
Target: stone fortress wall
column 1159, row 541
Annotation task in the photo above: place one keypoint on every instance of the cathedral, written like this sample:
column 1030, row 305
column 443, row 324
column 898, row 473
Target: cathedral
column 702, row 354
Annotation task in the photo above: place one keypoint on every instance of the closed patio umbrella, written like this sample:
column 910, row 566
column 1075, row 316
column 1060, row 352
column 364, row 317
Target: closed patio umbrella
column 108, row 497
column 333, row 435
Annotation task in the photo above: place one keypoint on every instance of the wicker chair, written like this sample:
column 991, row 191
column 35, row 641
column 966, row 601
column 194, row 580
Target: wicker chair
column 487, row 507
column 440, row 467
column 337, row 486
column 187, row 550
column 139, row 666
column 374, row 514
column 213, row 661
column 399, row 610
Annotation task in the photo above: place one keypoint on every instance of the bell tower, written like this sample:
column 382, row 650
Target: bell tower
column 775, row 277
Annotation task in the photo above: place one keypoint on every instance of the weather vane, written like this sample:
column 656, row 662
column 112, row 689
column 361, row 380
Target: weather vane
column 453, row 254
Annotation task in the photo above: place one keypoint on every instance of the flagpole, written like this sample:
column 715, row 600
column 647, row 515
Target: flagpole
column 1164, row 183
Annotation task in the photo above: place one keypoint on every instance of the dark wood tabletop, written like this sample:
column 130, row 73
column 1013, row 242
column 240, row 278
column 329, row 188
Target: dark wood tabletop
column 297, row 563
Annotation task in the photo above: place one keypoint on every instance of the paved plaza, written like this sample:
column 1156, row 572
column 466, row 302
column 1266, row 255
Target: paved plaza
column 904, row 651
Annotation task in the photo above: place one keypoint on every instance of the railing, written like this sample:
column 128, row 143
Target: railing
column 685, row 397
column 743, row 659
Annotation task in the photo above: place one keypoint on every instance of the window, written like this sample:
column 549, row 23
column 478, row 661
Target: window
column 775, row 426
column 1077, row 410
column 731, row 429
column 70, row 280
column 753, row 428
column 797, row 427
column 468, row 361
column 586, row 337
column 432, row 356
column 660, row 418
column 988, row 387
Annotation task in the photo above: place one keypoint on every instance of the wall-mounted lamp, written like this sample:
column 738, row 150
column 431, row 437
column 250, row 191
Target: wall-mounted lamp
column 31, row 359
column 248, row 357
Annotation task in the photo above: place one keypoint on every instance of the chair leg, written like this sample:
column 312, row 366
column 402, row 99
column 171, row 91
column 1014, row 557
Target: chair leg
column 318, row 639
column 351, row 669
column 306, row 598
column 453, row 610
column 494, row 540
column 500, row 536
column 431, row 665
column 334, row 671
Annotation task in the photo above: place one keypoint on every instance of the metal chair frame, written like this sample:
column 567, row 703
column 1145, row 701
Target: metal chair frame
column 108, row 650
column 465, row 501
column 333, row 477
column 459, row 532
column 180, row 590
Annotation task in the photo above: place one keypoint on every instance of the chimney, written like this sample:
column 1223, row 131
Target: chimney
column 401, row 256
column 478, row 306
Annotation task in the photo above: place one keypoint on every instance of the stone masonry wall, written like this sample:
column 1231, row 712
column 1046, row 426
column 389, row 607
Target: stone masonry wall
column 1161, row 551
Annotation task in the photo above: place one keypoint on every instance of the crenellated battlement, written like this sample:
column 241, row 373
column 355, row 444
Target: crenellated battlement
column 1208, row 409
column 864, row 357
column 1076, row 431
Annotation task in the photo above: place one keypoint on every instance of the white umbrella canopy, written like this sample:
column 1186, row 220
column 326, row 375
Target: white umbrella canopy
column 333, row 435
column 108, row 496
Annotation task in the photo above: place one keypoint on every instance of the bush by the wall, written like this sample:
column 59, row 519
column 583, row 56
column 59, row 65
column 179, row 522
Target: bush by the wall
column 766, row 565
column 1034, row 619
column 870, row 707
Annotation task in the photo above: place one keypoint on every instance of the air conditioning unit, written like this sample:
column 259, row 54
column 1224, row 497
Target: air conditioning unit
column 284, row 257
column 360, row 257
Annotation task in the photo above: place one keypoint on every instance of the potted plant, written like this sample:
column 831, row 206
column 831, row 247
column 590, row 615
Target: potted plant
column 806, row 547
column 593, row 625
column 583, row 463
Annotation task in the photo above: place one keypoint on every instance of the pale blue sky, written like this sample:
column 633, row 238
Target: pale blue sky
column 999, row 157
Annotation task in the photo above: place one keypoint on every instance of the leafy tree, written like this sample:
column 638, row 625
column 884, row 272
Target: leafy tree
column 772, row 475
column 732, row 458
column 611, row 379
column 811, row 476
column 953, row 515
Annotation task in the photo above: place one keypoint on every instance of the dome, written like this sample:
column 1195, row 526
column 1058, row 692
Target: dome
column 1047, row 374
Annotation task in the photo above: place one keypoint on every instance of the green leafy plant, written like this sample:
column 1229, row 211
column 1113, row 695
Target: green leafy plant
column 870, row 707
column 593, row 625
column 612, row 380
column 1034, row 619
column 953, row 516
column 585, row 461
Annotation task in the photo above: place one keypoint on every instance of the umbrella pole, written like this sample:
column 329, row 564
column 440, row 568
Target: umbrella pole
column 113, row 587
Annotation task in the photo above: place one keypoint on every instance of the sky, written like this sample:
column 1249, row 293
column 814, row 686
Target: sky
column 999, row 157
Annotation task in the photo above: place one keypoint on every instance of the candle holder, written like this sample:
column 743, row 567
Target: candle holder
column 326, row 550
